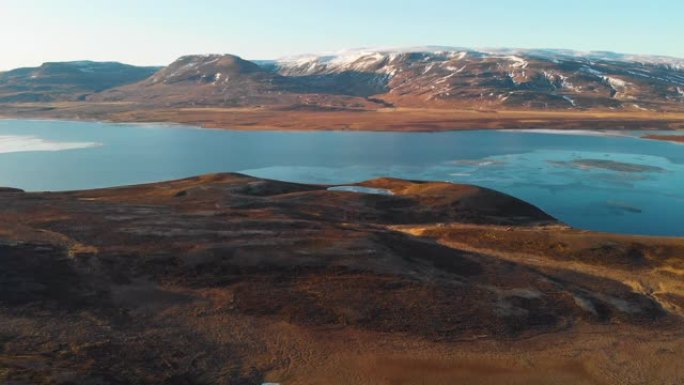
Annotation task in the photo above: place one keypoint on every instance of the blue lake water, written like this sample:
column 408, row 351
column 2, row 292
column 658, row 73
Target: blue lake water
column 595, row 181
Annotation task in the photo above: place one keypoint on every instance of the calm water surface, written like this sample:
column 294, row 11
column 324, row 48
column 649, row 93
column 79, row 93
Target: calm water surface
column 594, row 181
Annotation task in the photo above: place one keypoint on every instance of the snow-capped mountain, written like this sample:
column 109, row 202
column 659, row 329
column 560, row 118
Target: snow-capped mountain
column 531, row 78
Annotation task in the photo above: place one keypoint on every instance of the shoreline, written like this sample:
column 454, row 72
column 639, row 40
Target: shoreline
column 371, row 120
column 370, row 184
column 163, row 125
column 535, row 130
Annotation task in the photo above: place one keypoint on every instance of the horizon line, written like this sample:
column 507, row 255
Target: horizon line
column 405, row 49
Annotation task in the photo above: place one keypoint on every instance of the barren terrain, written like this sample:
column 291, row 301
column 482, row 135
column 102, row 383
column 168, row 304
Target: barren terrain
column 229, row 279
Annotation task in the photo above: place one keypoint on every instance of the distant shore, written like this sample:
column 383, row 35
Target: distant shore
column 307, row 118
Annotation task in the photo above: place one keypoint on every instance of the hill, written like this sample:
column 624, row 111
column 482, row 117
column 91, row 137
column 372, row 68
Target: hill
column 232, row 279
column 67, row 80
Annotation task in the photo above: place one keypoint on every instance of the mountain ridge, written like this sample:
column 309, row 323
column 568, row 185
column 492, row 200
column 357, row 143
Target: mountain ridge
column 414, row 77
column 445, row 77
column 71, row 80
column 533, row 78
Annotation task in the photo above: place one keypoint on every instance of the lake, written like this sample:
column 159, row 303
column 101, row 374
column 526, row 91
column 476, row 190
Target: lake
column 602, row 181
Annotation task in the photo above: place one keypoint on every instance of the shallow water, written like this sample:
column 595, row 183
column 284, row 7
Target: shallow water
column 361, row 190
column 608, row 182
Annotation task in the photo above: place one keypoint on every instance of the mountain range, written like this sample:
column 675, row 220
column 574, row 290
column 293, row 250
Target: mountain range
column 436, row 77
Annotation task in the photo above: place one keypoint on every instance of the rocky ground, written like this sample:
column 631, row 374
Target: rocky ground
column 228, row 279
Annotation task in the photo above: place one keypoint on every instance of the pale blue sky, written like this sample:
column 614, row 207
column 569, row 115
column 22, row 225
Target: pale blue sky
column 156, row 32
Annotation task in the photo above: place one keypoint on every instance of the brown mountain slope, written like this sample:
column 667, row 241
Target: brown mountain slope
column 218, row 80
column 429, row 77
column 231, row 279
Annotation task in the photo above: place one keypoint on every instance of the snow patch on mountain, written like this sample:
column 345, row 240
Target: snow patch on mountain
column 518, row 62
column 569, row 100
column 615, row 82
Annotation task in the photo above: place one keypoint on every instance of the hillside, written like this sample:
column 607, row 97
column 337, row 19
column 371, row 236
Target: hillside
column 232, row 279
column 223, row 80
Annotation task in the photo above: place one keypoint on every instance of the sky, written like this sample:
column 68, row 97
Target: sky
column 147, row 32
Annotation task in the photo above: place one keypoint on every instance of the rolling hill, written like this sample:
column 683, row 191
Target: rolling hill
column 67, row 80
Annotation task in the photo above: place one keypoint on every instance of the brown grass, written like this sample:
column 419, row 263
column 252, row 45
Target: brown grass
column 668, row 138
column 387, row 119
